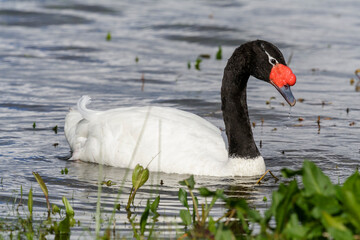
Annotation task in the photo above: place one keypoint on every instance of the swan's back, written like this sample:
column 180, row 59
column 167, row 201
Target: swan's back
column 171, row 140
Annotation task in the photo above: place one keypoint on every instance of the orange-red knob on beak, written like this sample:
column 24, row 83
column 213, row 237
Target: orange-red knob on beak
column 281, row 75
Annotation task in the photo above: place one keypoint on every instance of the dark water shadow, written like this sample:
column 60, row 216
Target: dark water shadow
column 9, row 17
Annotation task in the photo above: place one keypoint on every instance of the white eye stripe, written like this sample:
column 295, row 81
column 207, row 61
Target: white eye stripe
column 272, row 60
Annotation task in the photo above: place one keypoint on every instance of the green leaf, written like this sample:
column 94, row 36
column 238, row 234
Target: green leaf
column 204, row 192
column 288, row 173
column 285, row 206
column 68, row 208
column 224, row 234
column 219, row 54
column 117, row 206
column 324, row 203
column 189, row 65
column 212, row 225
column 154, row 206
column 64, row 226
column 335, row 227
column 55, row 129
column 140, row 176
column 315, row 181
column 108, row 36
column 30, row 202
column 190, row 182
column 352, row 184
column 55, row 209
column 183, row 197
column 143, row 219
column 185, row 217
column 41, row 183
column 352, row 207
column 294, row 230
column 197, row 63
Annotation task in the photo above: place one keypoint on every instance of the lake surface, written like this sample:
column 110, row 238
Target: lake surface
column 53, row 52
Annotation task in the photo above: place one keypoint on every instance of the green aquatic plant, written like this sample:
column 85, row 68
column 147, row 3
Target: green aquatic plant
column 108, row 36
column 44, row 189
column 219, row 54
column 309, row 206
column 203, row 226
column 197, row 63
column 139, row 178
column 64, row 171
column 34, row 125
column 108, row 183
column 55, row 129
column 30, row 203
column 150, row 210
column 315, row 209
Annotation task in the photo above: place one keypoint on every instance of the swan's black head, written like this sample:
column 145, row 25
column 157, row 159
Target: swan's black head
column 266, row 62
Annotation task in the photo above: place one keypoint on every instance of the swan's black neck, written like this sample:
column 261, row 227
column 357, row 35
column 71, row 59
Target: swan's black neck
column 234, row 106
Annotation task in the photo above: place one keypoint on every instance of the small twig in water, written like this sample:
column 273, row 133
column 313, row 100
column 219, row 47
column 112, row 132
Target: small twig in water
column 142, row 82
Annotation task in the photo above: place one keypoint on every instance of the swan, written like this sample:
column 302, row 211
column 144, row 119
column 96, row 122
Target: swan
column 174, row 141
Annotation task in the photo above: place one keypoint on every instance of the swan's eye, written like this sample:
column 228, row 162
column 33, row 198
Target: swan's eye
column 273, row 61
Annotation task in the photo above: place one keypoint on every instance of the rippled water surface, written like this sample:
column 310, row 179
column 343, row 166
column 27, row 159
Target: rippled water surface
column 52, row 52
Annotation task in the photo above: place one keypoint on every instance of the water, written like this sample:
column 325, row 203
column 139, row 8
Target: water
column 52, row 52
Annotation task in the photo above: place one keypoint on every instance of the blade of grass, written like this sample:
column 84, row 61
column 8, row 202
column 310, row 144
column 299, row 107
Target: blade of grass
column 44, row 189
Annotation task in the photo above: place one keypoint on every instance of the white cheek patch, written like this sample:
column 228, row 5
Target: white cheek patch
column 272, row 60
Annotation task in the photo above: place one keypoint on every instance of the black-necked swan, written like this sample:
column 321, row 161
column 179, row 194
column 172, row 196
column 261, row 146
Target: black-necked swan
column 174, row 141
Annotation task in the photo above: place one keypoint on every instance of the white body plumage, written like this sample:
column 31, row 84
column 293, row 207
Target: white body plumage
column 164, row 139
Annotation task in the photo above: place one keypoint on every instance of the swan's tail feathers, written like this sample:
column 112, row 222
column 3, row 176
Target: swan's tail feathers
column 83, row 110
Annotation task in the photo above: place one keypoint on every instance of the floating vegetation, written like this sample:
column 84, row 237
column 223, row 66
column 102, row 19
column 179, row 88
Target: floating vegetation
column 352, row 81
column 136, row 59
column 108, row 183
column 197, row 63
column 34, row 125
column 64, row 171
column 351, row 124
column 55, row 129
column 315, row 70
column 108, row 36
column 300, row 119
column 189, row 65
column 269, row 101
column 205, row 56
column 300, row 100
column 219, row 54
